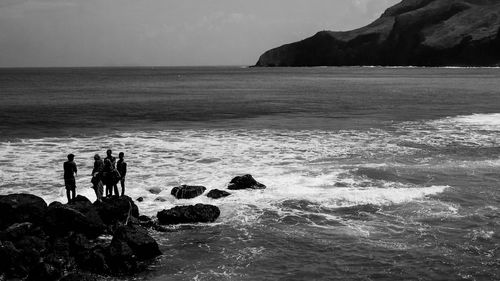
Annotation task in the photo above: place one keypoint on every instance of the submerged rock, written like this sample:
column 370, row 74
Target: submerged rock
column 187, row 191
column 216, row 194
column 155, row 190
column 245, row 182
column 189, row 214
column 17, row 208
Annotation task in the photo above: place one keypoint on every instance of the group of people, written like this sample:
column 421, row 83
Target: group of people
column 106, row 172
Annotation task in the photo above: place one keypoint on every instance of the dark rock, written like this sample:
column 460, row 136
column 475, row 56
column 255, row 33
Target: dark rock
column 116, row 209
column 94, row 260
column 245, row 182
column 121, row 257
column 78, row 276
column 17, row 208
column 187, row 191
column 413, row 32
column 189, row 214
column 85, row 206
column 17, row 231
column 138, row 239
column 155, row 190
column 140, row 199
column 62, row 219
column 216, row 194
column 160, row 199
column 11, row 261
column 44, row 271
column 145, row 221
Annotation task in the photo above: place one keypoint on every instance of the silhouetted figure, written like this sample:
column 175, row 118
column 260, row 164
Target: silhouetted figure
column 97, row 177
column 70, row 171
column 112, row 159
column 121, row 166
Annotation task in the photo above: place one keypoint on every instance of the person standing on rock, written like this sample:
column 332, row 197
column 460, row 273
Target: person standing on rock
column 121, row 166
column 97, row 177
column 113, row 176
column 70, row 171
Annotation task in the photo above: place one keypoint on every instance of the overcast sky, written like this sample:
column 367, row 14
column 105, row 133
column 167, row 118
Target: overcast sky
column 166, row 32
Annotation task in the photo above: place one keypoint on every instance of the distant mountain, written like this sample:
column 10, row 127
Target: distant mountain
column 413, row 32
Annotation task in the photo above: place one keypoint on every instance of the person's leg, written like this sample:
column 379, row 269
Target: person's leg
column 68, row 195
column 122, row 183
column 73, row 192
column 116, row 190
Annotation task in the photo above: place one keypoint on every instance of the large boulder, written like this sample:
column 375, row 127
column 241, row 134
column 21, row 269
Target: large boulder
column 16, row 208
column 137, row 238
column 189, row 214
column 245, row 182
column 216, row 194
column 187, row 191
column 62, row 219
column 116, row 209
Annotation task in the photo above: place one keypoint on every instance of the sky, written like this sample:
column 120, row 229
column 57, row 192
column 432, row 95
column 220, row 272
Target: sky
column 46, row 33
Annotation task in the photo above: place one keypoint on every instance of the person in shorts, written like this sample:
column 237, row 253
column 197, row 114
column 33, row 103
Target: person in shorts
column 121, row 166
column 70, row 171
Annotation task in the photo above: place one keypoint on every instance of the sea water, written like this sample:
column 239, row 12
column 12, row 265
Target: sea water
column 371, row 173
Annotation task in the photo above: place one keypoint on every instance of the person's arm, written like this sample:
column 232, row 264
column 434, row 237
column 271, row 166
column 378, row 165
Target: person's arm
column 76, row 170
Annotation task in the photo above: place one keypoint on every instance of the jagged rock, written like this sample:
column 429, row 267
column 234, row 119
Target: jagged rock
column 121, row 257
column 94, row 260
column 140, row 199
column 138, row 239
column 116, row 209
column 187, row 191
column 17, row 208
column 17, row 231
column 155, row 190
column 145, row 221
column 12, row 262
column 189, row 214
column 413, row 32
column 61, row 219
column 245, row 182
column 216, row 194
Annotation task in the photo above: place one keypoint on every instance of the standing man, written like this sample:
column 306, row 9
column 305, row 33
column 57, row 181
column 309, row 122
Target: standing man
column 70, row 172
column 121, row 166
column 113, row 177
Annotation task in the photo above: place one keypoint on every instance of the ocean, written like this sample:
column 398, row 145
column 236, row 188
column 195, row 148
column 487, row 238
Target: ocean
column 372, row 173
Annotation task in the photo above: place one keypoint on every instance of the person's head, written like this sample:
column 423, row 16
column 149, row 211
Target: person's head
column 97, row 157
column 71, row 157
column 121, row 155
column 108, row 152
column 107, row 163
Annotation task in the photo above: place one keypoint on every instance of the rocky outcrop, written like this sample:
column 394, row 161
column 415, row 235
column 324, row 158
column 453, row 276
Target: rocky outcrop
column 21, row 208
column 188, row 214
column 187, row 191
column 413, row 32
column 42, row 243
column 245, row 182
column 217, row 194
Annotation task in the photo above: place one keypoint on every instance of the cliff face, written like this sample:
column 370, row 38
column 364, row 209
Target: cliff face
column 413, row 32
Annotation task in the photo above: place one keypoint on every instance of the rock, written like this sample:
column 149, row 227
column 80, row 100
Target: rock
column 138, row 239
column 12, row 262
column 189, row 214
column 78, row 276
column 140, row 199
column 116, row 209
column 245, row 182
column 145, row 221
column 413, row 32
column 84, row 206
column 187, row 191
column 216, row 194
column 43, row 271
column 17, row 208
column 62, row 219
column 121, row 257
column 17, row 231
column 160, row 199
column 155, row 190
column 94, row 260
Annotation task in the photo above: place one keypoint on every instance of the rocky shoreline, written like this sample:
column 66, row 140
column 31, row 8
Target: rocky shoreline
column 84, row 240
